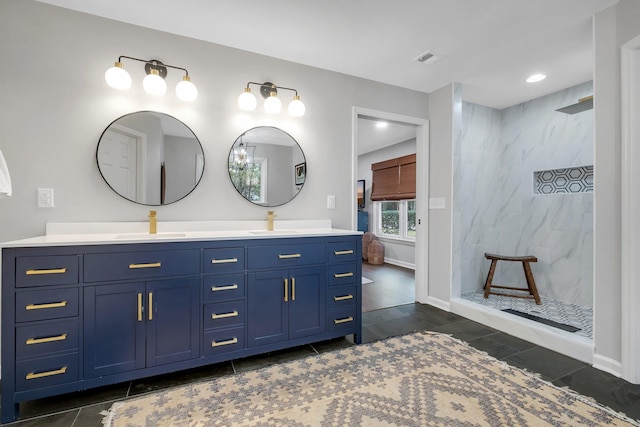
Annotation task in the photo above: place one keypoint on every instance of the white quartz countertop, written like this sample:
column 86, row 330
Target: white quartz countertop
column 100, row 233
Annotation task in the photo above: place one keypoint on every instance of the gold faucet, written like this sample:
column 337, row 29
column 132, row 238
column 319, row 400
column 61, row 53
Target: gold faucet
column 270, row 216
column 152, row 222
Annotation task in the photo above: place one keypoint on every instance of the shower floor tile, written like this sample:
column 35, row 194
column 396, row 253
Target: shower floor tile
column 558, row 311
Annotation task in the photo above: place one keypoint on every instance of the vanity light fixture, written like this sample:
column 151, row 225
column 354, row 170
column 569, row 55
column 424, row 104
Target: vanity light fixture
column 272, row 104
column 154, row 82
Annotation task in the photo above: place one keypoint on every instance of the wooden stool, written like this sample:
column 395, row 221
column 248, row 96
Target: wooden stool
column 531, row 283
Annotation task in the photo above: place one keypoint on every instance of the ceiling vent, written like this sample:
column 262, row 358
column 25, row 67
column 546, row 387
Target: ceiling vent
column 429, row 57
column 583, row 104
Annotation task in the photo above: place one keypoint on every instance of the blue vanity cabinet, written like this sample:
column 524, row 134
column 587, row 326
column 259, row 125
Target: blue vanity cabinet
column 225, row 306
column 76, row 317
column 344, row 280
column 286, row 304
column 135, row 316
column 136, row 325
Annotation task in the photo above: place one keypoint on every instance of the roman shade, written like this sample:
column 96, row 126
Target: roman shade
column 394, row 179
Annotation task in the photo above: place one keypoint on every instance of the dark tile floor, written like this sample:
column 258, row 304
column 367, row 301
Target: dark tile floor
column 392, row 285
column 83, row 409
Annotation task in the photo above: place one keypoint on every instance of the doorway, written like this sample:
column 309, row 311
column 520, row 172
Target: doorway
column 402, row 278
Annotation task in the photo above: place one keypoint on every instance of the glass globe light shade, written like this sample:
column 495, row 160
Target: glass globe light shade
column 296, row 107
column 247, row 101
column 272, row 104
column 153, row 84
column 117, row 77
column 186, row 91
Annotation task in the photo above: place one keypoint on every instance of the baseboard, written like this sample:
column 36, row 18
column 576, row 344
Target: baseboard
column 400, row 263
column 607, row 364
column 438, row 303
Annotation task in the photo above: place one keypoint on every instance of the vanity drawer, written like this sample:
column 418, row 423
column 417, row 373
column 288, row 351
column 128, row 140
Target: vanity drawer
column 341, row 297
column 286, row 255
column 46, row 372
column 46, row 304
column 50, row 337
column 341, row 274
column 224, row 315
column 140, row 265
column 223, row 341
column 341, row 319
column 341, row 252
column 223, row 260
column 46, row 270
column 220, row 288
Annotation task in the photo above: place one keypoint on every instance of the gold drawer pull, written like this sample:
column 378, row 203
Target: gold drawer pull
column 288, row 256
column 47, row 271
column 343, row 298
column 48, row 305
column 345, row 320
column 349, row 252
column 224, row 288
column 221, row 343
column 139, row 307
column 233, row 313
column 293, row 289
column 33, row 375
column 149, row 265
column 224, row 261
column 339, row 275
column 150, row 308
column 32, row 341
column 286, row 290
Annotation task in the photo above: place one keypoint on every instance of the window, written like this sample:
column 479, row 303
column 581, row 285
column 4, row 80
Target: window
column 396, row 219
column 394, row 179
column 250, row 179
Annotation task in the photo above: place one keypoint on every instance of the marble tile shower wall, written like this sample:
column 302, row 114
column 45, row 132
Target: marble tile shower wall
column 496, row 210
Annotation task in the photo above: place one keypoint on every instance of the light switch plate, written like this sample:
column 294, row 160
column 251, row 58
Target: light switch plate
column 331, row 202
column 436, row 203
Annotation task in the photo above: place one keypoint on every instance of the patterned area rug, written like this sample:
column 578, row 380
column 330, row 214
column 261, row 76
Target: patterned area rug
column 421, row 379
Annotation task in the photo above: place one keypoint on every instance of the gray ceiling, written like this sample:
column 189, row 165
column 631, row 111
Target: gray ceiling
column 490, row 46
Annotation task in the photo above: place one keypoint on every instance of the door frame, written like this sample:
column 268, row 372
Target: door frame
column 422, row 189
column 630, row 209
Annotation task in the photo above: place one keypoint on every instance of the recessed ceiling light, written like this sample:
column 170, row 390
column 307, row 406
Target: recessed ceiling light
column 536, row 78
column 382, row 124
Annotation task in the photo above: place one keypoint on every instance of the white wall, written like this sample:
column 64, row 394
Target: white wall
column 444, row 105
column 613, row 27
column 56, row 105
column 395, row 252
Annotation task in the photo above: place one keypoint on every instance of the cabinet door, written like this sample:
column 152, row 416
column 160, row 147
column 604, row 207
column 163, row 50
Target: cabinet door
column 172, row 320
column 307, row 302
column 267, row 309
column 114, row 329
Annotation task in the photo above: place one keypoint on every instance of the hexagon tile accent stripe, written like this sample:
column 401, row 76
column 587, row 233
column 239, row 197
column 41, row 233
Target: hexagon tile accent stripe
column 417, row 380
column 561, row 181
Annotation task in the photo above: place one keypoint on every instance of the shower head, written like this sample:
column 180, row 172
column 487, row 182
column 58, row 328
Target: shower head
column 583, row 104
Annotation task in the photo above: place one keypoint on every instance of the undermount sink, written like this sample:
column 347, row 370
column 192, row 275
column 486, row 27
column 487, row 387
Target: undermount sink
column 273, row 232
column 149, row 236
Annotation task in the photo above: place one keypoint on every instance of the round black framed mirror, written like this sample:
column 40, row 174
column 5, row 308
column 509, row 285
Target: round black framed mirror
column 267, row 166
column 150, row 158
